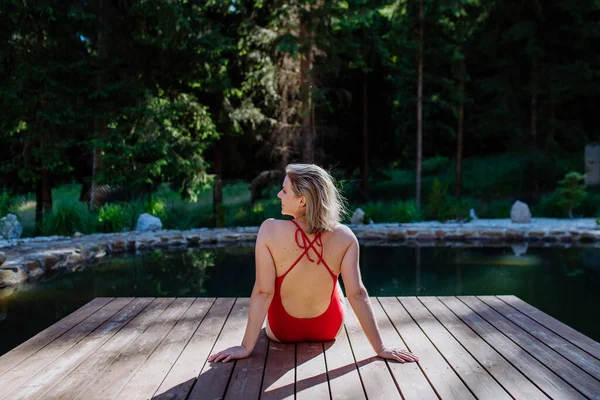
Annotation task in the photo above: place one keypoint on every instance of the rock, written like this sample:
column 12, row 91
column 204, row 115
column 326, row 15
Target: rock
column 520, row 249
column 77, row 235
column 472, row 214
column 147, row 222
column 10, row 228
column 2, row 258
column 357, row 217
column 520, row 212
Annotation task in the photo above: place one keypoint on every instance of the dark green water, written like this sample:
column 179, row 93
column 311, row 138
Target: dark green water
column 561, row 282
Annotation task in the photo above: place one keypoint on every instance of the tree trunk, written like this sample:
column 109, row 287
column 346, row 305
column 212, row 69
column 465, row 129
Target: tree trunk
column 364, row 170
column 306, row 66
column 533, row 102
column 218, row 210
column 460, row 129
column 420, row 108
column 99, row 123
column 43, row 197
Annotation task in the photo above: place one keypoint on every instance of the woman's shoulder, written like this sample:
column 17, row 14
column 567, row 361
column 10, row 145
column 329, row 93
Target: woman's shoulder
column 272, row 225
column 344, row 233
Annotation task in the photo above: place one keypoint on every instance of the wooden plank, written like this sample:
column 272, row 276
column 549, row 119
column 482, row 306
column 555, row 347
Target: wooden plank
column 55, row 371
column 36, row 363
column 468, row 369
column 149, row 377
column 180, row 379
column 571, row 352
column 311, row 372
column 410, row 379
column 248, row 372
column 376, row 376
column 342, row 372
column 582, row 382
column 93, row 366
column 568, row 333
column 280, row 372
column 505, row 374
column 213, row 379
column 132, row 358
column 541, row 376
column 444, row 380
column 45, row 337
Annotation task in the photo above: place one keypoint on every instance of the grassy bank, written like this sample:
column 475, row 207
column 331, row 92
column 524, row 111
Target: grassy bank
column 491, row 185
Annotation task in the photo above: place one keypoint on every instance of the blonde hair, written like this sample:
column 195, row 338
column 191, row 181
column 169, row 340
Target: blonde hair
column 325, row 205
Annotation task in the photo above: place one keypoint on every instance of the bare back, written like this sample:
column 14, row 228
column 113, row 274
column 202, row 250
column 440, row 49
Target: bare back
column 306, row 290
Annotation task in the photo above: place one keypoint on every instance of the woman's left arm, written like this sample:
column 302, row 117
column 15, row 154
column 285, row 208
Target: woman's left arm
column 261, row 297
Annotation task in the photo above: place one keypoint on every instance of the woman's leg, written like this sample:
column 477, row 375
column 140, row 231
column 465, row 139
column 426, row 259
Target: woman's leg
column 270, row 332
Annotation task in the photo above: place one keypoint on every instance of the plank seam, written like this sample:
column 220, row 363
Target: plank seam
column 326, row 370
column 408, row 348
column 186, row 345
column 438, row 350
column 92, row 381
column 544, row 343
column 467, row 350
column 99, row 347
column 556, row 333
column 517, row 344
column 191, row 389
column 56, row 338
column 155, row 347
column 489, row 344
column 80, row 340
column 262, row 379
column 355, row 362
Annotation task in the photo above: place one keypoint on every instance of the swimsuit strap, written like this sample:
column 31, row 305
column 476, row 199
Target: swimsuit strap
column 306, row 244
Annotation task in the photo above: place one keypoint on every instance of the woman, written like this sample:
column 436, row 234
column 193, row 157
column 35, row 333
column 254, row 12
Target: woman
column 297, row 267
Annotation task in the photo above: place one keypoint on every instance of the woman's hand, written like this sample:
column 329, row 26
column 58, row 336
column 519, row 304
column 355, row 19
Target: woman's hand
column 400, row 355
column 232, row 353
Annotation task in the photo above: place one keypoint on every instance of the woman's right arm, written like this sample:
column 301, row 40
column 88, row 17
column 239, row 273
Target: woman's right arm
column 359, row 300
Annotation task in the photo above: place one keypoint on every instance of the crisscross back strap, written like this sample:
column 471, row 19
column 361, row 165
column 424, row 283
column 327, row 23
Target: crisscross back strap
column 306, row 244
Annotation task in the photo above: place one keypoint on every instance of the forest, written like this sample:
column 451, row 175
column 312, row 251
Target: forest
column 421, row 109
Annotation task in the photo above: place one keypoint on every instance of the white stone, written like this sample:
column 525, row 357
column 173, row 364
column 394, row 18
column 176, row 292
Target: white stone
column 10, row 228
column 520, row 212
column 357, row 217
column 147, row 222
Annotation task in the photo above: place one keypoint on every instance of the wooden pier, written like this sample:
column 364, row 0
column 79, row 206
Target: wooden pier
column 484, row 347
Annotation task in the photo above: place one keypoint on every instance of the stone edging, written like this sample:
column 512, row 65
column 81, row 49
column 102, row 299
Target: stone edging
column 31, row 260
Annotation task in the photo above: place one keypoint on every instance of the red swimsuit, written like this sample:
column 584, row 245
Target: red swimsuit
column 317, row 329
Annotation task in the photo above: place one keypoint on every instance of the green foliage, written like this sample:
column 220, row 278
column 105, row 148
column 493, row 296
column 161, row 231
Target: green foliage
column 395, row 211
column 572, row 191
column 442, row 206
column 434, row 165
column 246, row 216
column 66, row 218
column 8, row 203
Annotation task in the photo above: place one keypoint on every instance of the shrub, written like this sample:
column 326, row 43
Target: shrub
column 66, row 218
column 113, row 218
column 549, row 207
column 8, row 204
column 394, row 211
column 572, row 191
column 442, row 207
